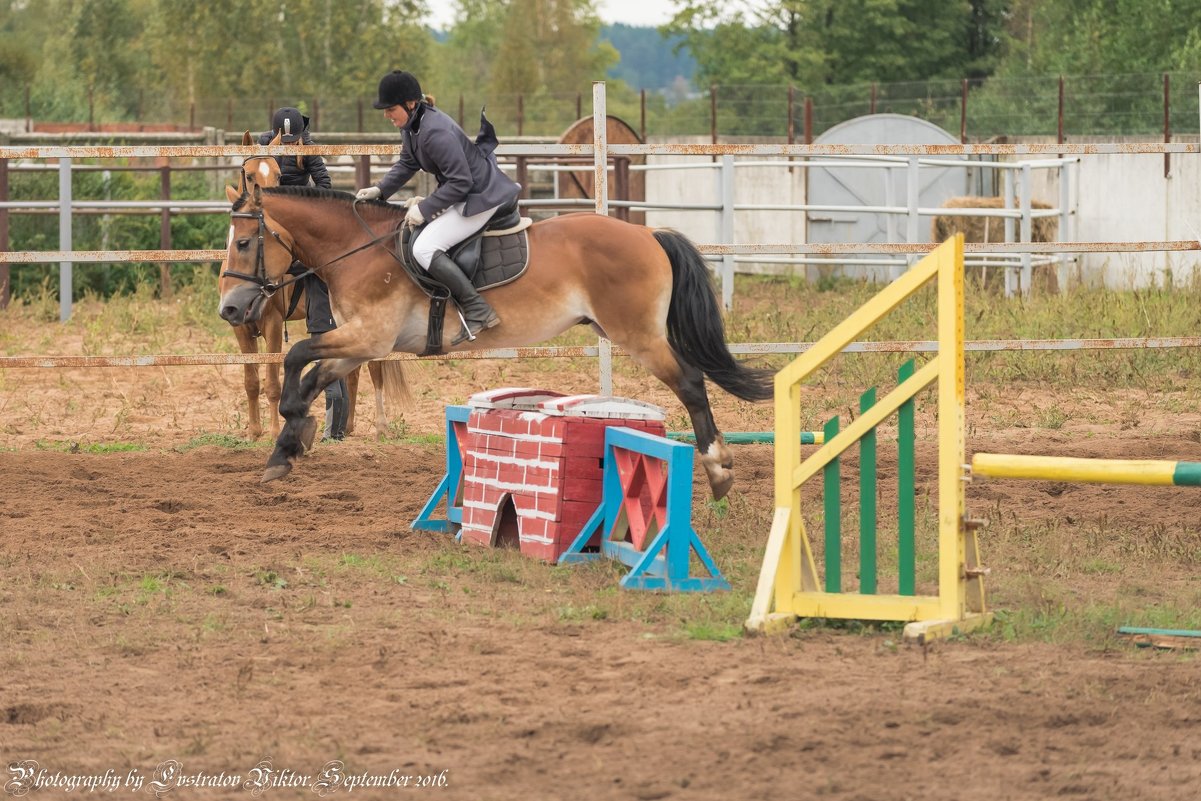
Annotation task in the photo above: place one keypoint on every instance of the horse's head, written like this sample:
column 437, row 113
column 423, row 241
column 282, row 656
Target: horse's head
column 258, row 257
column 260, row 170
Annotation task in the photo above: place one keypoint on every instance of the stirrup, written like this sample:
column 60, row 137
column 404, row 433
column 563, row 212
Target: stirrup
column 465, row 335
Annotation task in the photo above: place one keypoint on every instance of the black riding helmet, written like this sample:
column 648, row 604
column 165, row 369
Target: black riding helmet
column 397, row 87
column 289, row 123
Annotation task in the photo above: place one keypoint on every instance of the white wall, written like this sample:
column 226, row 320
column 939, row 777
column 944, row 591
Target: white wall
column 1114, row 198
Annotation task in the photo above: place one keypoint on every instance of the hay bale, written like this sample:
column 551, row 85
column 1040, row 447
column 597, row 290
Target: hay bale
column 992, row 229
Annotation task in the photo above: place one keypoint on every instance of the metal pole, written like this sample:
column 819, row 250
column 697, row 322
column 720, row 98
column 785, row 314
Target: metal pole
column 1027, row 226
column 912, row 193
column 1007, row 183
column 726, row 190
column 808, row 120
column 5, row 269
column 791, row 121
column 164, row 231
column 963, row 114
column 1059, row 133
column 1065, row 220
column 65, row 284
column 713, row 112
column 642, row 114
column 600, row 164
column 1167, row 124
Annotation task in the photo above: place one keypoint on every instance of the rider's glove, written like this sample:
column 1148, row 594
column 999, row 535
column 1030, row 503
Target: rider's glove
column 414, row 217
column 367, row 193
column 413, row 201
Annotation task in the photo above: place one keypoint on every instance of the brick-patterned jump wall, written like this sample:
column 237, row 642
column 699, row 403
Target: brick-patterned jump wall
column 543, row 452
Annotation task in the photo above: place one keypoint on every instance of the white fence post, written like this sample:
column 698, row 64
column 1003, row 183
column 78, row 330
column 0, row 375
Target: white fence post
column 65, row 283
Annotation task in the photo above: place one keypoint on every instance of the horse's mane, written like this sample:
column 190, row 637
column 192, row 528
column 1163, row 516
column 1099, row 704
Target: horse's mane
column 317, row 193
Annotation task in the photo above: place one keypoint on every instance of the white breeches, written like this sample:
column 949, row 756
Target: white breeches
column 447, row 230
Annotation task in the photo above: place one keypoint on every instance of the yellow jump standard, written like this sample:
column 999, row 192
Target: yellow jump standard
column 789, row 586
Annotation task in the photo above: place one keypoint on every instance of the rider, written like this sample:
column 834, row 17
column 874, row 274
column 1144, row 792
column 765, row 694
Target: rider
column 292, row 127
column 470, row 188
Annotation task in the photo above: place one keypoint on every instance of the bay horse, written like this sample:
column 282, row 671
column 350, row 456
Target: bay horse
column 264, row 171
column 650, row 292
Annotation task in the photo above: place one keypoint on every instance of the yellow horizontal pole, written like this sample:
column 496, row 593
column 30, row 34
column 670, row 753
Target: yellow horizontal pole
column 1154, row 472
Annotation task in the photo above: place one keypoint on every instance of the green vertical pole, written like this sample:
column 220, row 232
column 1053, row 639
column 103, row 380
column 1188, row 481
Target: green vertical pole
column 832, row 504
column 906, row 496
column 867, row 501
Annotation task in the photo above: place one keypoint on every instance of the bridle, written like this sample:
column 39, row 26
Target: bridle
column 266, row 286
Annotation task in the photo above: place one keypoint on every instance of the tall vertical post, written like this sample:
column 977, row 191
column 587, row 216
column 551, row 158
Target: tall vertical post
column 362, row 171
column 5, row 269
column 520, row 114
column 1007, row 191
column 713, row 113
column 164, row 229
column 1059, row 124
column 726, row 176
column 316, row 114
column 1167, row 124
column 600, row 183
column 808, row 120
column 963, row 114
column 912, row 200
column 1027, row 229
column 1065, row 221
column 791, row 107
column 65, row 283
column 642, row 115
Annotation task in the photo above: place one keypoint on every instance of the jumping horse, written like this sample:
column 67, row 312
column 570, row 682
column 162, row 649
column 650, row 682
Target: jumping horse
column 650, row 292
column 264, row 171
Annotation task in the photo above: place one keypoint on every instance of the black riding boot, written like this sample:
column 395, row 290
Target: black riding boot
column 476, row 311
column 337, row 409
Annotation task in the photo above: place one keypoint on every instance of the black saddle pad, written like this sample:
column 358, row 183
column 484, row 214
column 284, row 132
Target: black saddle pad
column 502, row 259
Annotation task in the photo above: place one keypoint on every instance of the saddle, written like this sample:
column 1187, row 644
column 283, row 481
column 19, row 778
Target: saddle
column 493, row 256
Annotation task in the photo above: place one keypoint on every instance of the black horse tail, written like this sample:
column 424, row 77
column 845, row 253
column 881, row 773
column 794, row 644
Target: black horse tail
column 694, row 327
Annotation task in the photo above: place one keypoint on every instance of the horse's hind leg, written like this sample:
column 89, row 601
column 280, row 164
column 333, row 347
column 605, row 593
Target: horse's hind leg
column 352, row 395
column 688, row 383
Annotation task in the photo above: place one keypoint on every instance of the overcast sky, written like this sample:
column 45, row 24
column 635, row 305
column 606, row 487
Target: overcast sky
column 631, row 12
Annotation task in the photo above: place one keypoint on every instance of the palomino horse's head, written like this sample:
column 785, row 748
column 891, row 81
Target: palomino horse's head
column 261, row 170
column 260, row 253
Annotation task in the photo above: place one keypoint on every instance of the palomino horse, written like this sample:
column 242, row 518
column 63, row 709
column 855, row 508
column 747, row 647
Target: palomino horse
column 264, row 171
column 649, row 292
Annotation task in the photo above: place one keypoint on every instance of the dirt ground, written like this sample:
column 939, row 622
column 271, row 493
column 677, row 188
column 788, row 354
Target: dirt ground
column 162, row 605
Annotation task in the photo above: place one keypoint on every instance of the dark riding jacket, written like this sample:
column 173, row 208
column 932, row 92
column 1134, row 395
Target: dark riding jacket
column 293, row 174
column 466, row 172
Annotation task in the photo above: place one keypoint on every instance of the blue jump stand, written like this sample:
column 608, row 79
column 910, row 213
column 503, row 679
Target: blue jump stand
column 451, row 486
column 664, row 565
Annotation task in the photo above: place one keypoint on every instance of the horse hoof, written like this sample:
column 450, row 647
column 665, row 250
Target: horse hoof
column 307, row 432
column 721, row 486
column 276, row 471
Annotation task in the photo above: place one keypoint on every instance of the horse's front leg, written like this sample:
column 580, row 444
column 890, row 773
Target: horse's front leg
column 247, row 343
column 297, row 396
